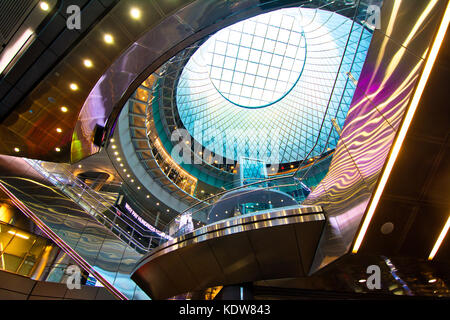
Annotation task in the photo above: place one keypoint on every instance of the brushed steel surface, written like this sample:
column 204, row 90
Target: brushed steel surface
column 269, row 245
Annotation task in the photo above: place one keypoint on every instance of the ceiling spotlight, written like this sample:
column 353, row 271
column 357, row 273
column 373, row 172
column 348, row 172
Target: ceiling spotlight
column 73, row 87
column 157, row 203
column 121, row 164
column 79, row 166
column 139, row 188
column 113, row 146
column 432, row 281
column 128, row 176
column 108, row 38
column 88, row 63
column 59, row 130
column 362, row 280
column 132, row 180
column 44, row 6
column 16, row 149
column 118, row 159
column 135, row 13
column 148, row 196
column 124, row 170
column 112, row 140
column 168, row 210
column 57, row 149
column 64, row 109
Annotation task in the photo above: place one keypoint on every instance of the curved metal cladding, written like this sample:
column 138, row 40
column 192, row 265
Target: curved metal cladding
column 387, row 82
column 193, row 20
column 277, row 243
column 92, row 245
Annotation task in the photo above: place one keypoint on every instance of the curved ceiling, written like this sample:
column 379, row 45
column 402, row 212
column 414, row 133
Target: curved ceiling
column 261, row 87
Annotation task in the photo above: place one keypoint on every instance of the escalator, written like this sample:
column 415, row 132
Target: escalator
column 95, row 247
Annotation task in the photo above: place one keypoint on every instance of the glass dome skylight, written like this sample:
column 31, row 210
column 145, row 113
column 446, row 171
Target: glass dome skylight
column 256, row 62
column 262, row 87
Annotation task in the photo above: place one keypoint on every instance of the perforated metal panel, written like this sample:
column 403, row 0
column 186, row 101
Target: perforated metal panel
column 12, row 14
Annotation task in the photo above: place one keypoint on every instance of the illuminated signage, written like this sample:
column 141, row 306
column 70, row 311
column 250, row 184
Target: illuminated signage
column 145, row 223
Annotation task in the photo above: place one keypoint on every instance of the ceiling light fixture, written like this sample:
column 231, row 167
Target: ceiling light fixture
column 44, row 6
column 88, row 63
column 135, row 13
column 59, row 130
column 439, row 239
column 395, row 150
column 108, row 38
column 16, row 149
column 64, row 109
column 14, row 49
column 57, row 149
column 73, row 87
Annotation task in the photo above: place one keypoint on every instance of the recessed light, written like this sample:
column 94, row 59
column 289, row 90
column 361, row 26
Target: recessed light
column 73, row 87
column 57, row 149
column 79, row 166
column 44, row 6
column 157, row 203
column 116, row 153
column 132, row 180
column 118, row 159
column 64, row 109
column 16, row 149
column 168, row 210
column 88, row 63
column 135, row 13
column 108, row 38
column 113, row 146
column 148, row 196
column 432, row 281
column 112, row 140
column 59, row 130
column 139, row 188
column 128, row 176
column 362, row 280
column 124, row 170
column 121, row 164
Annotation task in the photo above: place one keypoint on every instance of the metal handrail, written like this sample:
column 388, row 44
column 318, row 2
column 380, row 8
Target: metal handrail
column 95, row 194
column 98, row 213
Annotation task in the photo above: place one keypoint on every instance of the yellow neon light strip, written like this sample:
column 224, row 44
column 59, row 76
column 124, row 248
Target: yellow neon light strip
column 440, row 239
column 404, row 128
column 15, row 233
